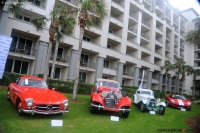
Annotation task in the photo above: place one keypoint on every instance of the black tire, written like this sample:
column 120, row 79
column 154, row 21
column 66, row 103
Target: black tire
column 143, row 107
column 189, row 109
column 162, row 110
column 125, row 114
column 93, row 110
column 19, row 108
column 8, row 96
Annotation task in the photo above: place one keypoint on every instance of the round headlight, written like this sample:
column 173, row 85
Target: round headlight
column 104, row 94
column 65, row 103
column 189, row 103
column 172, row 101
column 29, row 102
column 119, row 96
column 158, row 99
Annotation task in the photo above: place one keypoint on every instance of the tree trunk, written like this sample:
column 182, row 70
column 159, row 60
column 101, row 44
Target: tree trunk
column 78, row 63
column 48, row 58
column 166, row 82
column 54, row 60
column 194, row 84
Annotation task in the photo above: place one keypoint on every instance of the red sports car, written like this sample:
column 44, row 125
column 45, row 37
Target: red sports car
column 31, row 95
column 178, row 101
column 107, row 95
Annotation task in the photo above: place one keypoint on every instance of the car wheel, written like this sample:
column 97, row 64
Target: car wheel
column 8, row 96
column 125, row 114
column 189, row 109
column 143, row 107
column 19, row 109
column 162, row 110
column 93, row 110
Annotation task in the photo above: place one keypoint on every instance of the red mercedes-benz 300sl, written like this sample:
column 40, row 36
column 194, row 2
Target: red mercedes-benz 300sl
column 31, row 95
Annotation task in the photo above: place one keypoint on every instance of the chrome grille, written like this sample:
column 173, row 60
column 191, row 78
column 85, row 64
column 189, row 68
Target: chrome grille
column 110, row 100
column 47, row 107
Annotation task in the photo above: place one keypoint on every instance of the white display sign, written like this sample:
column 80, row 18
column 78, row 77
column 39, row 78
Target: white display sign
column 5, row 42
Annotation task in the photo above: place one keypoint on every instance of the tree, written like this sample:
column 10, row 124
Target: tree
column 167, row 66
column 193, row 37
column 184, row 70
column 62, row 23
column 178, row 69
column 194, row 72
column 91, row 12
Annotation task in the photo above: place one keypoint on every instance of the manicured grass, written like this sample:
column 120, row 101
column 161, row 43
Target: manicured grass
column 80, row 120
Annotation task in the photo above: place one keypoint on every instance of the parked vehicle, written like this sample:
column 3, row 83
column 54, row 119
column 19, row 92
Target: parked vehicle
column 146, row 100
column 107, row 95
column 178, row 101
column 31, row 95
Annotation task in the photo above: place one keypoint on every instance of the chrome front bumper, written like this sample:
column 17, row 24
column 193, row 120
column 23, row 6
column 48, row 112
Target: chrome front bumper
column 112, row 109
column 40, row 112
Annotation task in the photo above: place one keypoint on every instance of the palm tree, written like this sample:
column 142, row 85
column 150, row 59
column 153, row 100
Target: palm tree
column 193, row 37
column 195, row 72
column 62, row 23
column 91, row 12
column 184, row 70
column 167, row 66
column 178, row 69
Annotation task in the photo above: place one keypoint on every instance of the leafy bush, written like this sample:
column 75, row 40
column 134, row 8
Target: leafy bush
column 9, row 78
column 129, row 90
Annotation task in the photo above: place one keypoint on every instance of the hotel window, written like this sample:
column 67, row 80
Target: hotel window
column 19, row 43
column 84, row 60
column 106, row 64
column 87, row 39
column 16, row 66
column 56, row 74
column 82, row 76
column 23, row 18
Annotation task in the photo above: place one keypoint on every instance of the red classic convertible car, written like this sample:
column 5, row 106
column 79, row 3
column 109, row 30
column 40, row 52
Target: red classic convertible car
column 178, row 101
column 31, row 95
column 107, row 95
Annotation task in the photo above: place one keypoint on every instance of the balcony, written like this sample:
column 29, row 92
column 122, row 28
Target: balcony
column 146, row 37
column 182, row 55
column 167, row 47
column 182, row 46
column 88, row 65
column 146, row 24
column 176, row 42
column 29, row 52
column 133, row 16
column 73, row 3
column 133, row 30
column 175, row 52
column 117, row 5
column 168, row 37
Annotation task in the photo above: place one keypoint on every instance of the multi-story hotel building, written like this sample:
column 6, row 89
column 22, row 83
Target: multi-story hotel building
column 136, row 35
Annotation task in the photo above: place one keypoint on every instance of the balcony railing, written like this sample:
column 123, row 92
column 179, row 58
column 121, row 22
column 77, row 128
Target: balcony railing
column 89, row 65
column 128, row 73
column 148, row 1
column 182, row 46
column 167, row 47
column 61, row 59
column 175, row 52
column 145, row 36
column 29, row 52
column 133, row 16
column 133, row 30
column 117, row 3
column 73, row 2
column 146, row 23
column 116, row 18
column 176, row 42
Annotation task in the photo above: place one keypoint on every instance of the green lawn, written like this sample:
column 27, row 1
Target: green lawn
column 80, row 120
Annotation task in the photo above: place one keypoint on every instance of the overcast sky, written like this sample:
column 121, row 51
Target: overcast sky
column 185, row 4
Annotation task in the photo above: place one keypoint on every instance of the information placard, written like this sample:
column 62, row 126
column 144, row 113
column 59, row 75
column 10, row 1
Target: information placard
column 5, row 42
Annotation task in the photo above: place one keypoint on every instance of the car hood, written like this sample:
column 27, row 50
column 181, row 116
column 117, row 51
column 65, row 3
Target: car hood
column 180, row 102
column 41, row 95
column 143, row 96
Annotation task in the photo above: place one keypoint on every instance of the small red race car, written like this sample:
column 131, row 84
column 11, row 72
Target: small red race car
column 178, row 101
column 31, row 95
column 107, row 95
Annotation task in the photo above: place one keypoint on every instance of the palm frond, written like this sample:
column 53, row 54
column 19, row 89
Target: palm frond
column 193, row 37
column 14, row 7
column 39, row 23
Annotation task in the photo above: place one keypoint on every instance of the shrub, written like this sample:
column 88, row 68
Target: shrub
column 9, row 78
column 129, row 90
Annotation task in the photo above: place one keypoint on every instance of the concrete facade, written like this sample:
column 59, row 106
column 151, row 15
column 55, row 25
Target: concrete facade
column 136, row 35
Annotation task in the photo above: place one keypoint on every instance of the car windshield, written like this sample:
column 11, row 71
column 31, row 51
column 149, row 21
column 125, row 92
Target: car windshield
column 34, row 83
column 109, row 84
column 146, row 92
column 178, row 97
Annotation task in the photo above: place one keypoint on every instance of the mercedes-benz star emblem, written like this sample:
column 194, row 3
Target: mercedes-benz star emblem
column 49, row 107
